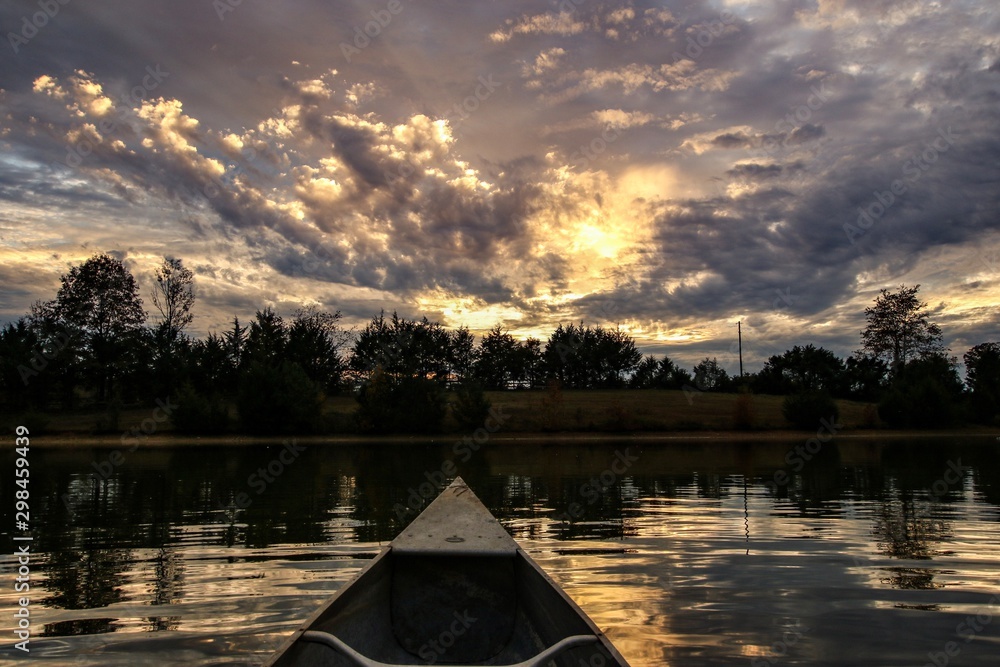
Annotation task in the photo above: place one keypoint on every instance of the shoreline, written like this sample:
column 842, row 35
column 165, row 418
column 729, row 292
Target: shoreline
column 69, row 440
column 581, row 417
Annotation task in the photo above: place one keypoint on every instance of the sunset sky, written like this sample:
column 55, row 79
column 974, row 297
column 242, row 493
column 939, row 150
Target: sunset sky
column 670, row 167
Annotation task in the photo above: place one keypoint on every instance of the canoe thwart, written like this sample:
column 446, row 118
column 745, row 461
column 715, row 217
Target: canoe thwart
column 330, row 641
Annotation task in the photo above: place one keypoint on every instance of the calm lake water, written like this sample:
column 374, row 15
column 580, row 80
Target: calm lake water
column 696, row 553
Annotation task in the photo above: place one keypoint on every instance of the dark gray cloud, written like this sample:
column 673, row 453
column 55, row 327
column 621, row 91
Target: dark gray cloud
column 806, row 133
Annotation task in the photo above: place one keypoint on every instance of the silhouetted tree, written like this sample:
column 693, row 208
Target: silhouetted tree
column 278, row 398
column 375, row 404
column 199, row 412
column 925, row 393
column 582, row 357
column 315, row 342
column 496, row 362
column 471, row 407
column 266, row 339
column 431, row 352
column 420, row 405
column 899, row 330
column 235, row 340
column 653, row 373
column 565, row 358
column 806, row 408
column 616, row 357
column 63, row 357
column 710, row 376
column 173, row 297
column 99, row 301
column 865, row 377
column 210, row 365
column 22, row 362
column 409, row 404
column 673, row 376
column 800, row 369
column 529, row 364
column 402, row 348
column 982, row 376
column 462, row 354
column 646, row 373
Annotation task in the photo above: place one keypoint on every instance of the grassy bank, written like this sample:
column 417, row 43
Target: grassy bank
column 653, row 410
column 569, row 411
column 567, row 415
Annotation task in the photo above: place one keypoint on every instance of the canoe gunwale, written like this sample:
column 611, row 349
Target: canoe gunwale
column 602, row 639
column 343, row 591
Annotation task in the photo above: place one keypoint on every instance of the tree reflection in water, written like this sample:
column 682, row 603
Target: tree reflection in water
column 167, row 587
column 903, row 531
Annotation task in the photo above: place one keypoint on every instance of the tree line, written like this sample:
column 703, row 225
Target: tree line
column 95, row 345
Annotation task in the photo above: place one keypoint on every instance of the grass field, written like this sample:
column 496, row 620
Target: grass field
column 535, row 411
column 650, row 410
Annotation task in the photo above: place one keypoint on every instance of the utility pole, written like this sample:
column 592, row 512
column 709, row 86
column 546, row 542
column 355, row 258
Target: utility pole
column 739, row 333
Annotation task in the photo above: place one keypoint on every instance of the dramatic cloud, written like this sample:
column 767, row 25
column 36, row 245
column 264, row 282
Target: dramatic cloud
column 668, row 167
